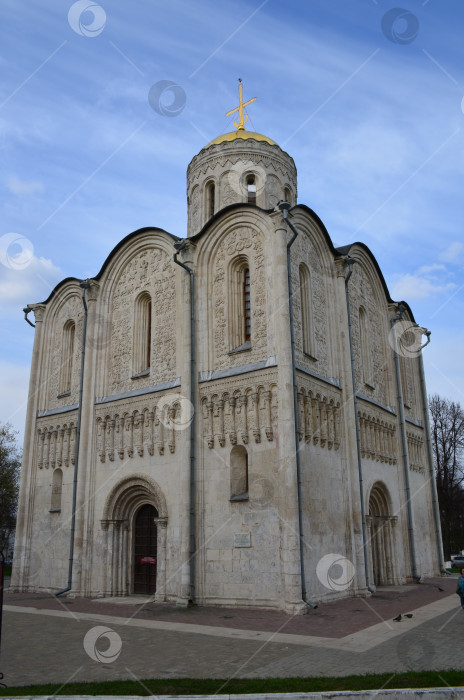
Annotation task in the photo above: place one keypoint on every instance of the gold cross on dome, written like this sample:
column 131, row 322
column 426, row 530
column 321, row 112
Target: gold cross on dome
column 241, row 104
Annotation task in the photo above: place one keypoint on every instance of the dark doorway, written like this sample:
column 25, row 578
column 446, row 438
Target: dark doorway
column 145, row 550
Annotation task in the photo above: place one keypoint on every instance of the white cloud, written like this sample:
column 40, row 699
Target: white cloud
column 452, row 252
column 31, row 284
column 426, row 269
column 410, row 287
column 19, row 187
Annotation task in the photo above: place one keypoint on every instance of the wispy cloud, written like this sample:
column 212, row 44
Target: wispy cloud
column 20, row 187
column 452, row 253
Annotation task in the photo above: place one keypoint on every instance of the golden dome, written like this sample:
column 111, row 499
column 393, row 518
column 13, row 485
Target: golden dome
column 241, row 134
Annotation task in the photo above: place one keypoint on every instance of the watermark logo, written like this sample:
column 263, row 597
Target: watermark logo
column 335, row 572
column 167, row 98
column 400, row 26
column 261, row 492
column 16, row 251
column 409, row 338
column 415, row 654
column 175, row 411
column 103, row 655
column 86, row 18
column 100, row 336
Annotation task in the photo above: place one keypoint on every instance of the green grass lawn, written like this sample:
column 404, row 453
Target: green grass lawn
column 200, row 686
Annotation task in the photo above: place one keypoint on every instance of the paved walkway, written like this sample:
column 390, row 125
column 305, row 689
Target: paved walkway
column 60, row 640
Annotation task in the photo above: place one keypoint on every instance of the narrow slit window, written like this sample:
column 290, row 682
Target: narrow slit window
column 366, row 357
column 287, row 195
column 247, row 303
column 67, row 353
column 306, row 311
column 210, row 195
column 251, row 189
column 142, row 334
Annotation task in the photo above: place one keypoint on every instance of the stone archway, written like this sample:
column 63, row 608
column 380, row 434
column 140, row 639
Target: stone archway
column 381, row 537
column 118, row 522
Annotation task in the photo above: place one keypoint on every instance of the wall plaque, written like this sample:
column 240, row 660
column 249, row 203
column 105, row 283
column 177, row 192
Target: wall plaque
column 242, row 539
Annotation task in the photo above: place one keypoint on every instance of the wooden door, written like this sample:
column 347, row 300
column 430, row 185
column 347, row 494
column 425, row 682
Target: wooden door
column 145, row 550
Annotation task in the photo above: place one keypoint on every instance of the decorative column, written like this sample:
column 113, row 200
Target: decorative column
column 160, row 595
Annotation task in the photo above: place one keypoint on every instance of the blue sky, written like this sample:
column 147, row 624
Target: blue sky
column 368, row 100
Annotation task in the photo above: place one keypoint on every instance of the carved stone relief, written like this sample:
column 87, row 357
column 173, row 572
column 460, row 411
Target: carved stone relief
column 318, row 416
column 378, row 437
column 56, row 443
column 415, row 440
column 138, row 428
column 71, row 310
column 241, row 241
column 306, row 253
column 151, row 270
column 239, row 414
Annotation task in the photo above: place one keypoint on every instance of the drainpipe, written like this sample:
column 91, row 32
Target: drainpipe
column 27, row 310
column 284, row 207
column 85, row 284
column 425, row 409
column 404, row 441
column 179, row 246
column 350, row 262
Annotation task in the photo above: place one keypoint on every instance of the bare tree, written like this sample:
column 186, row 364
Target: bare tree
column 10, row 465
column 447, row 425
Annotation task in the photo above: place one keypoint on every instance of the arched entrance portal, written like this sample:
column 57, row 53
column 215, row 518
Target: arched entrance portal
column 134, row 527
column 381, row 536
column 145, row 550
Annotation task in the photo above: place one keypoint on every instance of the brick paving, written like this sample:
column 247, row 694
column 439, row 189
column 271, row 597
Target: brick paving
column 44, row 642
column 336, row 619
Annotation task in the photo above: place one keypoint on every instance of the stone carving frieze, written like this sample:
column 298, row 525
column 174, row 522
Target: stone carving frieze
column 234, row 413
column 56, row 442
column 416, row 456
column 140, row 428
column 318, row 415
column 378, row 437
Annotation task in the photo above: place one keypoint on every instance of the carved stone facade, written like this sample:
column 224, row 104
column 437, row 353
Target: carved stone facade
column 207, row 437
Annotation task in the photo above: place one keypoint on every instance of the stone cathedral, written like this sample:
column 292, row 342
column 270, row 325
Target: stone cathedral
column 233, row 418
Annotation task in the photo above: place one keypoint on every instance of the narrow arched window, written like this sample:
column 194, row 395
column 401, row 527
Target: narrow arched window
column 142, row 334
column 210, row 196
column 246, row 304
column 67, row 352
column 239, row 294
column 287, row 195
column 238, row 474
column 306, row 309
column 366, row 356
column 57, row 485
column 251, row 189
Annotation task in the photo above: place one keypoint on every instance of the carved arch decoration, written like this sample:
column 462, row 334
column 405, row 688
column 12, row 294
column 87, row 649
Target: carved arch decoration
column 143, row 265
column 63, row 309
column 118, row 522
column 381, row 536
column 235, row 237
column 134, row 490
